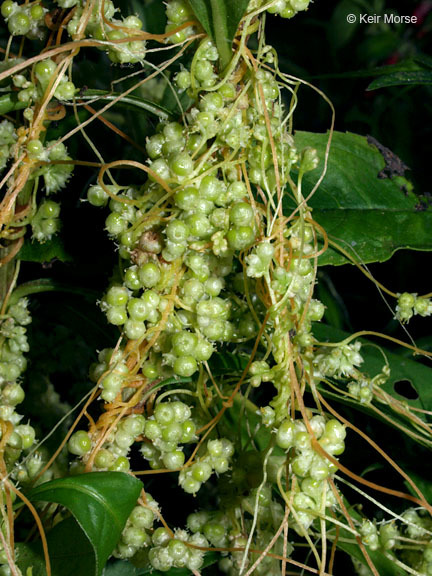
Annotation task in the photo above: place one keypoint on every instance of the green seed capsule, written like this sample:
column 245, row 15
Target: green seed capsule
column 121, row 464
column 164, row 413
column 240, row 238
column 36, row 12
column 44, row 70
column 79, row 443
column 117, row 315
column 185, row 366
column 117, row 296
column 184, row 343
column 190, row 485
column 104, row 459
column 189, row 430
column 241, row 214
column 134, row 329
column 181, row 164
column 19, row 24
column 149, row 274
column 177, row 231
column 137, row 309
column 173, row 460
column 142, row 518
column 7, row 8
column 172, row 433
column 133, row 425
column 186, row 198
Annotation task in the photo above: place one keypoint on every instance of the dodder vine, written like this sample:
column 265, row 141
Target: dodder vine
column 212, row 264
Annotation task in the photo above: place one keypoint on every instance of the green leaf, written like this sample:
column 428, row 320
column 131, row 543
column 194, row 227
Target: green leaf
column 69, row 549
column 406, row 65
column 101, row 503
column 10, row 103
column 220, row 19
column 423, row 59
column 234, row 13
column 384, row 566
column 43, row 285
column 424, row 485
column 121, row 568
column 421, row 77
column 226, row 363
column 202, row 11
column 52, row 250
column 368, row 215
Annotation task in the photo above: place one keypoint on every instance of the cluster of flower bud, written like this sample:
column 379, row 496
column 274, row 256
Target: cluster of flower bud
column 123, row 37
column 27, row 472
column 310, row 468
column 221, row 529
column 217, row 459
column 338, row 361
column 110, row 372
column 415, row 525
column 25, row 19
column 173, row 552
column 179, row 12
column 46, row 222
column 409, row 305
column 58, row 168
column 113, row 454
column 44, row 72
column 288, row 8
column 8, row 138
column 170, row 426
column 137, row 533
column 13, row 346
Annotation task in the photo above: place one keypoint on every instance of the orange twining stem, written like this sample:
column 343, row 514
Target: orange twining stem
column 421, row 501
column 351, row 523
column 38, row 523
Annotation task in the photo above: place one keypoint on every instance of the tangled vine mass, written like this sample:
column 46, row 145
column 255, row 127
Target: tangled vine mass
column 216, row 379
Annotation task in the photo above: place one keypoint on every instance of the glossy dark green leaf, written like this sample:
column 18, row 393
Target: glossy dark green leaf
column 417, row 78
column 101, row 503
column 69, row 549
column 234, row 13
column 151, row 13
column 368, row 215
column 54, row 249
column 202, row 11
column 406, row 65
column 424, row 59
